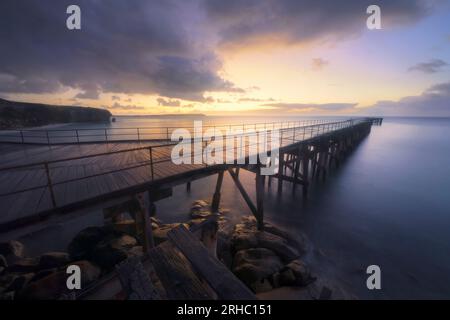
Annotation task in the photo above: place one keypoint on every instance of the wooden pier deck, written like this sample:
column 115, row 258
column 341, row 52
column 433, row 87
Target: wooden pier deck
column 37, row 181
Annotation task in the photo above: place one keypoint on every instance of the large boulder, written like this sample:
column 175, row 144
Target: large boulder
column 53, row 260
column 255, row 264
column 246, row 238
column 109, row 252
column 83, row 244
column 24, row 265
column 278, row 245
column 246, row 235
column 200, row 209
column 19, row 281
column 12, row 250
column 296, row 273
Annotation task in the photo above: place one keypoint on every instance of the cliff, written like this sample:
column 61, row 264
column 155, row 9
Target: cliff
column 22, row 114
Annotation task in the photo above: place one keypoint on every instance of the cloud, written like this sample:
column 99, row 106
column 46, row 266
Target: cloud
column 118, row 106
column 433, row 102
column 300, row 21
column 319, row 63
column 432, row 66
column 115, row 98
column 302, row 107
column 168, row 48
column 168, row 102
column 131, row 47
column 254, row 99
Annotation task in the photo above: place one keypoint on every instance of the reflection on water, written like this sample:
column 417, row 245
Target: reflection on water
column 387, row 205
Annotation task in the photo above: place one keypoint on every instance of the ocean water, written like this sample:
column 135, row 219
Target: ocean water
column 388, row 204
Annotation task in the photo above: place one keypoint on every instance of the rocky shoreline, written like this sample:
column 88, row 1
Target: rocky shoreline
column 265, row 261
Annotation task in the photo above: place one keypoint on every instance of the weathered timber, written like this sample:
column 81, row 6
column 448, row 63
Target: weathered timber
column 220, row 279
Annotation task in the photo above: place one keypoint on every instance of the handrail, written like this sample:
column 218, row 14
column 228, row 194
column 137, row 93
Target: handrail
column 105, row 134
column 306, row 132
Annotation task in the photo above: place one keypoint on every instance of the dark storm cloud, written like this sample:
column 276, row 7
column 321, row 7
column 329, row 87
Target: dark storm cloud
column 435, row 101
column 432, row 66
column 303, row 20
column 123, row 47
column 163, row 47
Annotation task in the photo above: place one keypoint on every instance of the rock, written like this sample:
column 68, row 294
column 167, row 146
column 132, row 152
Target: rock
column 12, row 250
column 243, row 238
column 275, row 280
column 160, row 234
column 256, row 264
column 42, row 274
column 83, row 244
column 224, row 250
column 261, row 286
column 24, row 265
column 54, row 285
column 301, row 272
column 7, row 296
column 53, row 260
column 47, row 288
column 3, row 262
column 200, row 209
column 126, row 226
column 19, row 282
column 6, row 280
column 137, row 251
column 278, row 245
column 125, row 241
column 287, row 278
column 246, row 235
column 109, row 252
column 89, row 272
column 155, row 221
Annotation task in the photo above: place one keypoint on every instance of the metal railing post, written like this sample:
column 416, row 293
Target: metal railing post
column 151, row 162
column 21, row 136
column 48, row 138
column 139, row 136
column 78, row 137
column 106, row 135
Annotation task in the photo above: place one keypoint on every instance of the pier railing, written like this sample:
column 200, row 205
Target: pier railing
column 128, row 134
column 51, row 175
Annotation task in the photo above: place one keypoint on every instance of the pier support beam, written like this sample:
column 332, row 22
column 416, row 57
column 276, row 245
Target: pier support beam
column 143, row 218
column 259, row 181
column 246, row 197
column 216, row 198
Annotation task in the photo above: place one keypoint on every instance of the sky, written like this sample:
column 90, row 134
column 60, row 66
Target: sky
column 265, row 57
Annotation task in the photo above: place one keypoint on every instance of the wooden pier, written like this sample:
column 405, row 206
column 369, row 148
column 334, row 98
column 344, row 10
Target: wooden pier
column 59, row 179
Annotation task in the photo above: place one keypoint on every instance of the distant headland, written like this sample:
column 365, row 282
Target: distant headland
column 15, row 114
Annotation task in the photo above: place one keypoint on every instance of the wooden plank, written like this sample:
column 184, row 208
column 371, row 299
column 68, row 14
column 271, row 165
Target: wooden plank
column 175, row 275
column 135, row 281
column 220, row 279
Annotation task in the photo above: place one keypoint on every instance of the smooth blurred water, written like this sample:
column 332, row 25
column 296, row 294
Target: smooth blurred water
column 388, row 204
